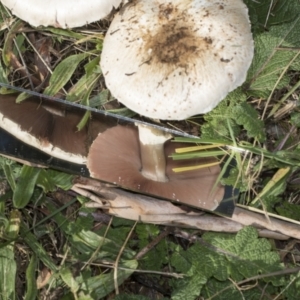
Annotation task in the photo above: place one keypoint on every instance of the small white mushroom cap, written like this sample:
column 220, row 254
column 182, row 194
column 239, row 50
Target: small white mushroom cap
column 61, row 13
column 174, row 59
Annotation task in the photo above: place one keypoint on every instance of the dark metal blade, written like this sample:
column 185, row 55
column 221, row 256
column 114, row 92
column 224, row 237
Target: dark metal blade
column 10, row 146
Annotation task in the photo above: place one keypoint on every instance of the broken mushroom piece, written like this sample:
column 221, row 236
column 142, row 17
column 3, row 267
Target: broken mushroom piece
column 62, row 14
column 179, row 58
column 115, row 156
column 152, row 152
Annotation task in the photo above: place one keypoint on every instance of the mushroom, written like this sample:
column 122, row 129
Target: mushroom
column 178, row 58
column 50, row 127
column 117, row 156
column 63, row 14
column 151, row 141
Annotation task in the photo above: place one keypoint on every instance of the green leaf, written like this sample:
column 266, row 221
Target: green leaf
column 275, row 185
column 49, row 180
column 269, row 12
column 69, row 280
column 156, row 258
column 133, row 297
column 125, row 112
column 100, row 99
column 273, row 57
column 216, row 126
column 9, row 174
column 292, row 291
column 31, row 240
column 3, row 75
column 247, row 256
column 222, row 256
column 65, row 32
column 8, row 266
column 85, row 242
column 84, row 120
column 63, row 73
column 31, row 287
column 79, row 90
column 288, row 210
column 8, row 270
column 100, row 286
column 248, row 117
column 8, row 47
column 25, row 186
column 92, row 66
column 217, row 290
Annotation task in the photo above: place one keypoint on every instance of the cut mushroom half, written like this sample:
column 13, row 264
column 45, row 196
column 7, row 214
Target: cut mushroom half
column 190, row 54
column 62, row 14
column 116, row 156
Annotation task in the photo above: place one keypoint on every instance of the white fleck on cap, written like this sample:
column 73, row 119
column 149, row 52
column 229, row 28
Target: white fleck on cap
column 61, row 13
column 174, row 59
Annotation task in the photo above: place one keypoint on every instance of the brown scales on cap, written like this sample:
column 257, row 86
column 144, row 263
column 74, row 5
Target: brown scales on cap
column 115, row 157
column 191, row 54
column 174, row 43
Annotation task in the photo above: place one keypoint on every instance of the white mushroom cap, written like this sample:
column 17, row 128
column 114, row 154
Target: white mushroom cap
column 174, row 59
column 61, row 13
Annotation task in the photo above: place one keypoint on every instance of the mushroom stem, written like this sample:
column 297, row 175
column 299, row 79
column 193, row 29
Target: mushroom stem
column 152, row 153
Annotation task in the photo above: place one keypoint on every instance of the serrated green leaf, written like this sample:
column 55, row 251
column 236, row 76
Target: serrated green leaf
column 248, row 117
column 238, row 257
column 216, row 126
column 235, row 179
column 249, row 255
column 295, row 119
column 292, row 290
column 272, row 56
column 25, row 186
column 217, row 290
column 288, row 210
column 269, row 12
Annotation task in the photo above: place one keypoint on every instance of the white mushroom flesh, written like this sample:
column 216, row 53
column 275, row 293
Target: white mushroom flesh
column 152, row 152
